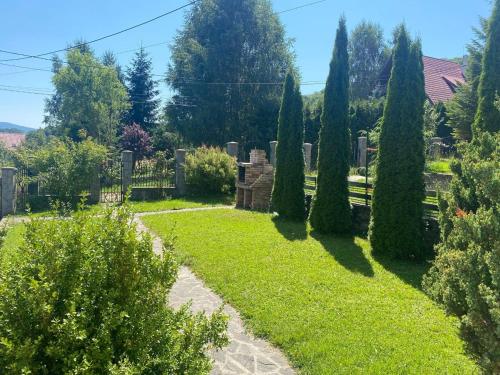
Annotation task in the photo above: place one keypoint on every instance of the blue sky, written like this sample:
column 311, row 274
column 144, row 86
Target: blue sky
column 37, row 26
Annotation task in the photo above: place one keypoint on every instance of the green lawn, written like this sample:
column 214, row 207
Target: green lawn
column 325, row 301
column 161, row 205
column 182, row 203
column 438, row 166
column 8, row 252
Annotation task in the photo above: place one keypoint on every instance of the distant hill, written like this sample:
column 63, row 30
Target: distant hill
column 17, row 128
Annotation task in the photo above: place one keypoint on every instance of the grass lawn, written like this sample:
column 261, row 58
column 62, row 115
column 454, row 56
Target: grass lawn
column 160, row 205
column 438, row 166
column 325, row 301
column 8, row 252
column 182, row 203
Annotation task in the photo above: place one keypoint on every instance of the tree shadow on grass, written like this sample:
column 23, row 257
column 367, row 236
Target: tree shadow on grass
column 291, row 230
column 346, row 252
column 409, row 272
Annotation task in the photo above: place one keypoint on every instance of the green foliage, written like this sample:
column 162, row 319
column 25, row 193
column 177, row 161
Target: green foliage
column 396, row 228
column 368, row 52
column 165, row 139
column 313, row 108
column 465, row 277
column 89, row 296
column 224, row 43
column 488, row 116
column 89, row 99
column 461, row 110
column 210, row 170
column 331, row 210
column 142, row 91
column 288, row 198
column 64, row 168
column 463, row 106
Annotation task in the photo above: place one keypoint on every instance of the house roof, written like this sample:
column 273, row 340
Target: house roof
column 12, row 140
column 442, row 77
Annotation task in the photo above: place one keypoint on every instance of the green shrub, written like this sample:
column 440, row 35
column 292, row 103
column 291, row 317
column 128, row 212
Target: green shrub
column 63, row 167
column 88, row 296
column 210, row 170
column 465, row 276
column 288, row 198
column 397, row 227
column 331, row 210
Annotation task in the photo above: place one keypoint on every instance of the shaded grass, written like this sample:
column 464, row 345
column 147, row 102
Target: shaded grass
column 325, row 301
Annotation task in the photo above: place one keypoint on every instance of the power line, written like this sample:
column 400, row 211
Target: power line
column 301, row 6
column 27, row 67
column 24, row 56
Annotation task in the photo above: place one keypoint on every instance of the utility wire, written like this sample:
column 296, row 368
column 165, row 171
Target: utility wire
column 301, row 6
column 98, row 39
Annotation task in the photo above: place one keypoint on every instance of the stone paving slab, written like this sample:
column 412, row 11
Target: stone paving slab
column 245, row 353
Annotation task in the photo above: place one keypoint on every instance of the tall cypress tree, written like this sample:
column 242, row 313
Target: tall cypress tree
column 288, row 198
column 397, row 209
column 331, row 211
column 488, row 116
column 143, row 92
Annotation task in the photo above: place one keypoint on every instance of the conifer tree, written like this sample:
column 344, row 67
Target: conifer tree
column 488, row 116
column 142, row 90
column 396, row 226
column 331, row 211
column 288, row 198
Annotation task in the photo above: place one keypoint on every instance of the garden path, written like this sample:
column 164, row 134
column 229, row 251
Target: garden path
column 245, row 353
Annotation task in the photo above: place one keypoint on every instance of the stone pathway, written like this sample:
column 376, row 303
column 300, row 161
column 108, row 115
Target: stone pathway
column 245, row 354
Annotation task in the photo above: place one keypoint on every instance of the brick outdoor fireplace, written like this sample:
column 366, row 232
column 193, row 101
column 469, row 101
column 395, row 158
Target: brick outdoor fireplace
column 254, row 182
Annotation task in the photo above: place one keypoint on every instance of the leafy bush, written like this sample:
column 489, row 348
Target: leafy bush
column 89, row 296
column 135, row 139
column 210, row 170
column 465, row 277
column 64, row 168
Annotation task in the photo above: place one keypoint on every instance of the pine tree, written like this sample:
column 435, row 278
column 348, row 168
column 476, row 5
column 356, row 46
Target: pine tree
column 397, row 225
column 488, row 116
column 331, row 210
column 288, row 198
column 142, row 92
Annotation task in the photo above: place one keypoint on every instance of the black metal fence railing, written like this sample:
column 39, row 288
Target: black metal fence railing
column 153, row 173
column 360, row 193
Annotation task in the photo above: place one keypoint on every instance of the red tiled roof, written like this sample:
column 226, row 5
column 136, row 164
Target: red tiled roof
column 12, row 140
column 442, row 77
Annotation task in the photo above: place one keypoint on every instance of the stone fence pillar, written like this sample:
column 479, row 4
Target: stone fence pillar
column 180, row 173
column 232, row 149
column 9, row 195
column 362, row 150
column 127, row 165
column 307, row 156
column 272, row 156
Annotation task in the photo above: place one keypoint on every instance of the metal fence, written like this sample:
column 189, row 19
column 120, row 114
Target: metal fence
column 153, row 173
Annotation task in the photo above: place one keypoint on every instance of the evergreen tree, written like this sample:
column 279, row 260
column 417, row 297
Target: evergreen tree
column 397, row 225
column 142, row 92
column 288, row 198
column 109, row 59
column 466, row 273
column 331, row 210
column 462, row 108
column 225, row 47
column 488, row 116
